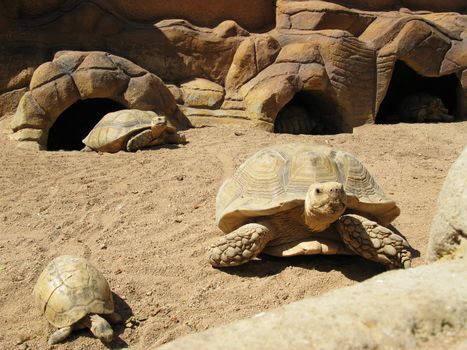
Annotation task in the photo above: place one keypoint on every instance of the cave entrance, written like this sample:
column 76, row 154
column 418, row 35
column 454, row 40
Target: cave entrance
column 309, row 113
column 406, row 82
column 74, row 124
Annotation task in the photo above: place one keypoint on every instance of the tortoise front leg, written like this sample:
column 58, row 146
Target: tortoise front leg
column 374, row 242
column 99, row 327
column 240, row 246
column 168, row 138
column 139, row 141
column 59, row 335
column 174, row 138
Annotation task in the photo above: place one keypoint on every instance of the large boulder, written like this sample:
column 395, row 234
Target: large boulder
column 401, row 309
column 448, row 237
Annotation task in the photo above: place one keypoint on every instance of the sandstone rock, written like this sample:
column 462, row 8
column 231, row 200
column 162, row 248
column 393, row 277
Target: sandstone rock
column 228, row 29
column 394, row 310
column 202, row 93
column 252, row 56
column 317, row 65
column 448, row 234
column 356, row 43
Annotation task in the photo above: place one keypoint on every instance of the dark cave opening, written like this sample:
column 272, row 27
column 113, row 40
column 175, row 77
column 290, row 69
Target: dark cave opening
column 406, row 82
column 312, row 113
column 75, row 123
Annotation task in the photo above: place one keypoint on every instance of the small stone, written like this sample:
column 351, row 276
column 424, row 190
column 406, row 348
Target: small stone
column 178, row 220
column 103, row 246
column 149, row 293
column 118, row 271
column 180, row 177
column 58, row 227
column 238, row 133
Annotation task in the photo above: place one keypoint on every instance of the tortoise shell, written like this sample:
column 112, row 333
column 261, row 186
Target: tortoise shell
column 114, row 129
column 277, row 178
column 69, row 288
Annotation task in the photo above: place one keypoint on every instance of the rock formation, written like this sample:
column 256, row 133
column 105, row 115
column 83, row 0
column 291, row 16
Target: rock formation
column 448, row 236
column 349, row 62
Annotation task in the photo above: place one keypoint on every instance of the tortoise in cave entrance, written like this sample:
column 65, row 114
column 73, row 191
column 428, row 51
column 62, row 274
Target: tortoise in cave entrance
column 423, row 108
column 296, row 119
column 130, row 130
column 298, row 199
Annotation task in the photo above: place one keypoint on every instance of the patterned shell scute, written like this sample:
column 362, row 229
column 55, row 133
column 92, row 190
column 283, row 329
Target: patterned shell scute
column 277, row 178
column 69, row 288
column 118, row 126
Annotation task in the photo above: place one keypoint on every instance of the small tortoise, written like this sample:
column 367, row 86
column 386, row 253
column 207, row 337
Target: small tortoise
column 130, row 130
column 423, row 108
column 72, row 294
column 296, row 199
column 295, row 119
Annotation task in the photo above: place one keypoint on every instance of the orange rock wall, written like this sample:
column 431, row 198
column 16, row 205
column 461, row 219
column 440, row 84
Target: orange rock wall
column 250, row 14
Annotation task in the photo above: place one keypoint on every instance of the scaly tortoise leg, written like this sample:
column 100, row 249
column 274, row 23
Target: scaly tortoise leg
column 139, row 141
column 240, row 246
column 59, row 335
column 145, row 137
column 98, row 326
column 174, row 138
column 374, row 242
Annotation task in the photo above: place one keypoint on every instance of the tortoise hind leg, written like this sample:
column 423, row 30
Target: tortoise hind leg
column 374, row 242
column 240, row 246
column 59, row 335
column 308, row 247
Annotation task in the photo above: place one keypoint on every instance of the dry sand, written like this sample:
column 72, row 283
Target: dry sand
column 145, row 219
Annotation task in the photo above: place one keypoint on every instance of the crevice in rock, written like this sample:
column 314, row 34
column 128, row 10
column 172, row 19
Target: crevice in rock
column 73, row 125
column 406, row 82
column 309, row 113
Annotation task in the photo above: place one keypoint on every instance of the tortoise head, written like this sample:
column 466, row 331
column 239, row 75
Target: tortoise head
column 324, row 203
column 158, row 125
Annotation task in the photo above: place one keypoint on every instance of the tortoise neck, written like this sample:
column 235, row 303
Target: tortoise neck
column 315, row 223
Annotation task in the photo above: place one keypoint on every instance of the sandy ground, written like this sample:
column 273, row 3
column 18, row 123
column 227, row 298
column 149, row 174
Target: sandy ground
column 145, row 219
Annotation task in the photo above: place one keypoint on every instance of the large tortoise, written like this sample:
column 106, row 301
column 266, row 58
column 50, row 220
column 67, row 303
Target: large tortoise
column 298, row 199
column 130, row 130
column 72, row 294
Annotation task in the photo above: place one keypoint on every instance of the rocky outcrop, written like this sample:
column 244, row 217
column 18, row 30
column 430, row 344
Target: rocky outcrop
column 72, row 76
column 252, row 14
column 318, row 65
column 448, row 236
column 202, row 93
column 340, row 56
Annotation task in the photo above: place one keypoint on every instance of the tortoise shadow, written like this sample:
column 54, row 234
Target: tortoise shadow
column 166, row 145
column 352, row 266
column 124, row 310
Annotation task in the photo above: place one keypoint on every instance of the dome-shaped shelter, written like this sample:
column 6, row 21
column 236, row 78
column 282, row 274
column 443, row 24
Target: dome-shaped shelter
column 73, row 76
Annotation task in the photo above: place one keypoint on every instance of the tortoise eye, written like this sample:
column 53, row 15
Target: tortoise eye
column 317, row 191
